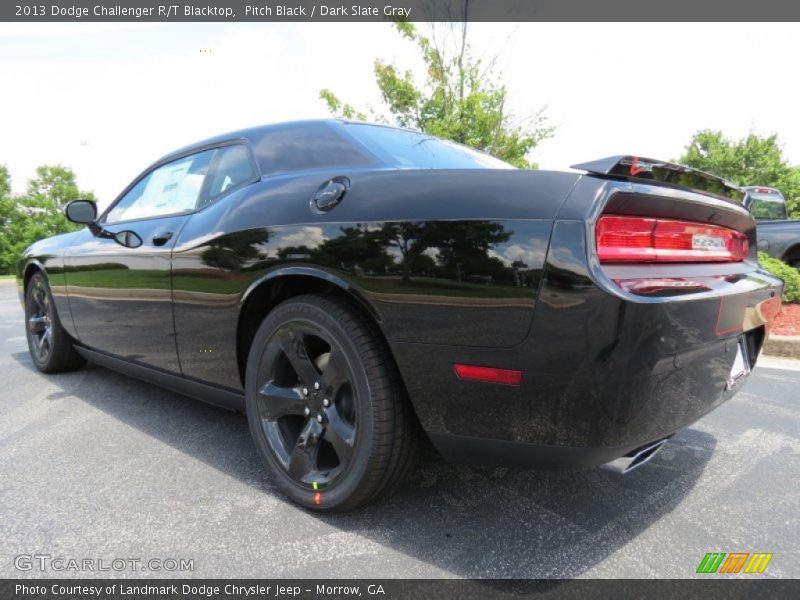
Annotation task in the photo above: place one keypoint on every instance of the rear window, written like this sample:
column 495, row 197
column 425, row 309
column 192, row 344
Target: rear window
column 410, row 149
column 767, row 206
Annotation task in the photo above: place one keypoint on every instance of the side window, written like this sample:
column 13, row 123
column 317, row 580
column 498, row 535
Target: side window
column 233, row 168
column 171, row 188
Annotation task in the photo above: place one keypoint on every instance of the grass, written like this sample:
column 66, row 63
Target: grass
column 441, row 287
column 193, row 282
column 150, row 279
column 6, row 277
column 121, row 278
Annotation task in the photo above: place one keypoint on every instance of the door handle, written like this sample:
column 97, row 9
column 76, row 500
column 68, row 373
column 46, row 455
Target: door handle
column 161, row 238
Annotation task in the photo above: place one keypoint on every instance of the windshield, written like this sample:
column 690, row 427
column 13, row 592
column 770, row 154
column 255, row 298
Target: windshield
column 767, row 207
column 410, row 149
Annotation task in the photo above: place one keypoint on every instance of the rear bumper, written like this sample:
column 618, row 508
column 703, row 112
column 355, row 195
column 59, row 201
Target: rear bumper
column 604, row 372
column 503, row 453
column 557, row 421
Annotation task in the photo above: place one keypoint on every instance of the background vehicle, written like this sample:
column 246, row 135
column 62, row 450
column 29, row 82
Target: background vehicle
column 778, row 236
column 344, row 283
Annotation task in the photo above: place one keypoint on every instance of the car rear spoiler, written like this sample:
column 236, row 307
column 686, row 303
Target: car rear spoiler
column 637, row 167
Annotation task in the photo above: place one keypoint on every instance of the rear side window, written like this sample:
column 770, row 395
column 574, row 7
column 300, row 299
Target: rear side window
column 232, row 168
column 298, row 147
column 767, row 206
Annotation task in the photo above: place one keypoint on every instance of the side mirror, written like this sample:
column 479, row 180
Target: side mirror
column 84, row 212
column 81, row 211
column 129, row 239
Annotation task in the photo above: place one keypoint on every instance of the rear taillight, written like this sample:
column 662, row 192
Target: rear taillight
column 637, row 239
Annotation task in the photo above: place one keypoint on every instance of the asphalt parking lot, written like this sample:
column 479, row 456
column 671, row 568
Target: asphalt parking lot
column 97, row 465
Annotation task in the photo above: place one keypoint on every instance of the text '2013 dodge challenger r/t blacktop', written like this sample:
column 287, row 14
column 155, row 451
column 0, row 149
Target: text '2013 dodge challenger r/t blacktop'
column 354, row 287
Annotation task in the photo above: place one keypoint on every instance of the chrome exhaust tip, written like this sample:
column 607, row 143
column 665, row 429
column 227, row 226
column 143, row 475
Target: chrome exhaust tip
column 635, row 458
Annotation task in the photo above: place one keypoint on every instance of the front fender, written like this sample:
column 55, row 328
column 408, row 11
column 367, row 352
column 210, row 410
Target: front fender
column 47, row 256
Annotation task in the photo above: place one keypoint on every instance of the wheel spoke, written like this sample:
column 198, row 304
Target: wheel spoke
column 44, row 343
column 301, row 462
column 40, row 298
column 340, row 434
column 293, row 346
column 303, row 459
column 278, row 401
column 37, row 324
column 335, row 373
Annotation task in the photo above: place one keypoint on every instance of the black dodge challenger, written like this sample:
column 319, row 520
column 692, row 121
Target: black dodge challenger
column 354, row 287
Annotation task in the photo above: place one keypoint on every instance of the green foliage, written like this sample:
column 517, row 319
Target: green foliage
column 37, row 213
column 446, row 250
column 790, row 276
column 8, row 212
column 460, row 100
column 5, row 182
column 753, row 160
column 338, row 108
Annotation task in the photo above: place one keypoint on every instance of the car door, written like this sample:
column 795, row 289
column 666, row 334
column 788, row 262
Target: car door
column 121, row 296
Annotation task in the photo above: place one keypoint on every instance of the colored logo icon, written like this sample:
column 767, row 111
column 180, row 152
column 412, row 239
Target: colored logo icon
column 734, row 562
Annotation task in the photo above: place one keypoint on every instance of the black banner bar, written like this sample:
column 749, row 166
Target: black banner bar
column 392, row 589
column 410, row 10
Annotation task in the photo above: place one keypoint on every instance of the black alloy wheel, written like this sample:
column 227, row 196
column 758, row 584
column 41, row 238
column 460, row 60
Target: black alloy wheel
column 307, row 405
column 40, row 323
column 326, row 409
column 50, row 346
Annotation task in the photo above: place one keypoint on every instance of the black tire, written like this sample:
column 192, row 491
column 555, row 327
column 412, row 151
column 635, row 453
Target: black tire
column 792, row 257
column 349, row 441
column 50, row 346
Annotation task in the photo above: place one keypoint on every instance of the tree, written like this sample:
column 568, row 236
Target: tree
column 5, row 182
column 7, row 211
column 460, row 246
column 36, row 214
column 358, row 247
column 236, row 252
column 410, row 241
column 460, row 100
column 464, row 247
column 752, row 160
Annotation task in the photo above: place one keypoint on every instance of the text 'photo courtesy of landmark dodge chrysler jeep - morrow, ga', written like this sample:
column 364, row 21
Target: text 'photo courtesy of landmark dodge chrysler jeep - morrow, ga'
column 353, row 288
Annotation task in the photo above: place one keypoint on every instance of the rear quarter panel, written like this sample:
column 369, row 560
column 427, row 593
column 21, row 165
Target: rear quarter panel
column 442, row 257
column 604, row 369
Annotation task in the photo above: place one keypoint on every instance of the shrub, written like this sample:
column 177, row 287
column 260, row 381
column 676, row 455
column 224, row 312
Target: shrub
column 790, row 276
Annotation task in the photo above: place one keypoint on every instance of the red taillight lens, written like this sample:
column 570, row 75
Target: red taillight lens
column 638, row 239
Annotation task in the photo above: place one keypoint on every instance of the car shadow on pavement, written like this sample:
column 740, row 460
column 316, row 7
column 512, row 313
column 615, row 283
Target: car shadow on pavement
column 468, row 521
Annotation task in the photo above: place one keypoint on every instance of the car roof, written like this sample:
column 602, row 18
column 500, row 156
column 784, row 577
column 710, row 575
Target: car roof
column 254, row 134
column 251, row 134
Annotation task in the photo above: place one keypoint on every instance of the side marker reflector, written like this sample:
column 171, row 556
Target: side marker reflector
column 317, row 498
column 488, row 374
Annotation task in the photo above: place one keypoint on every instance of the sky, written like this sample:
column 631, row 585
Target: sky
column 108, row 99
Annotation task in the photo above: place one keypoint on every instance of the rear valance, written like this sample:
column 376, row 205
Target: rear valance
column 648, row 169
